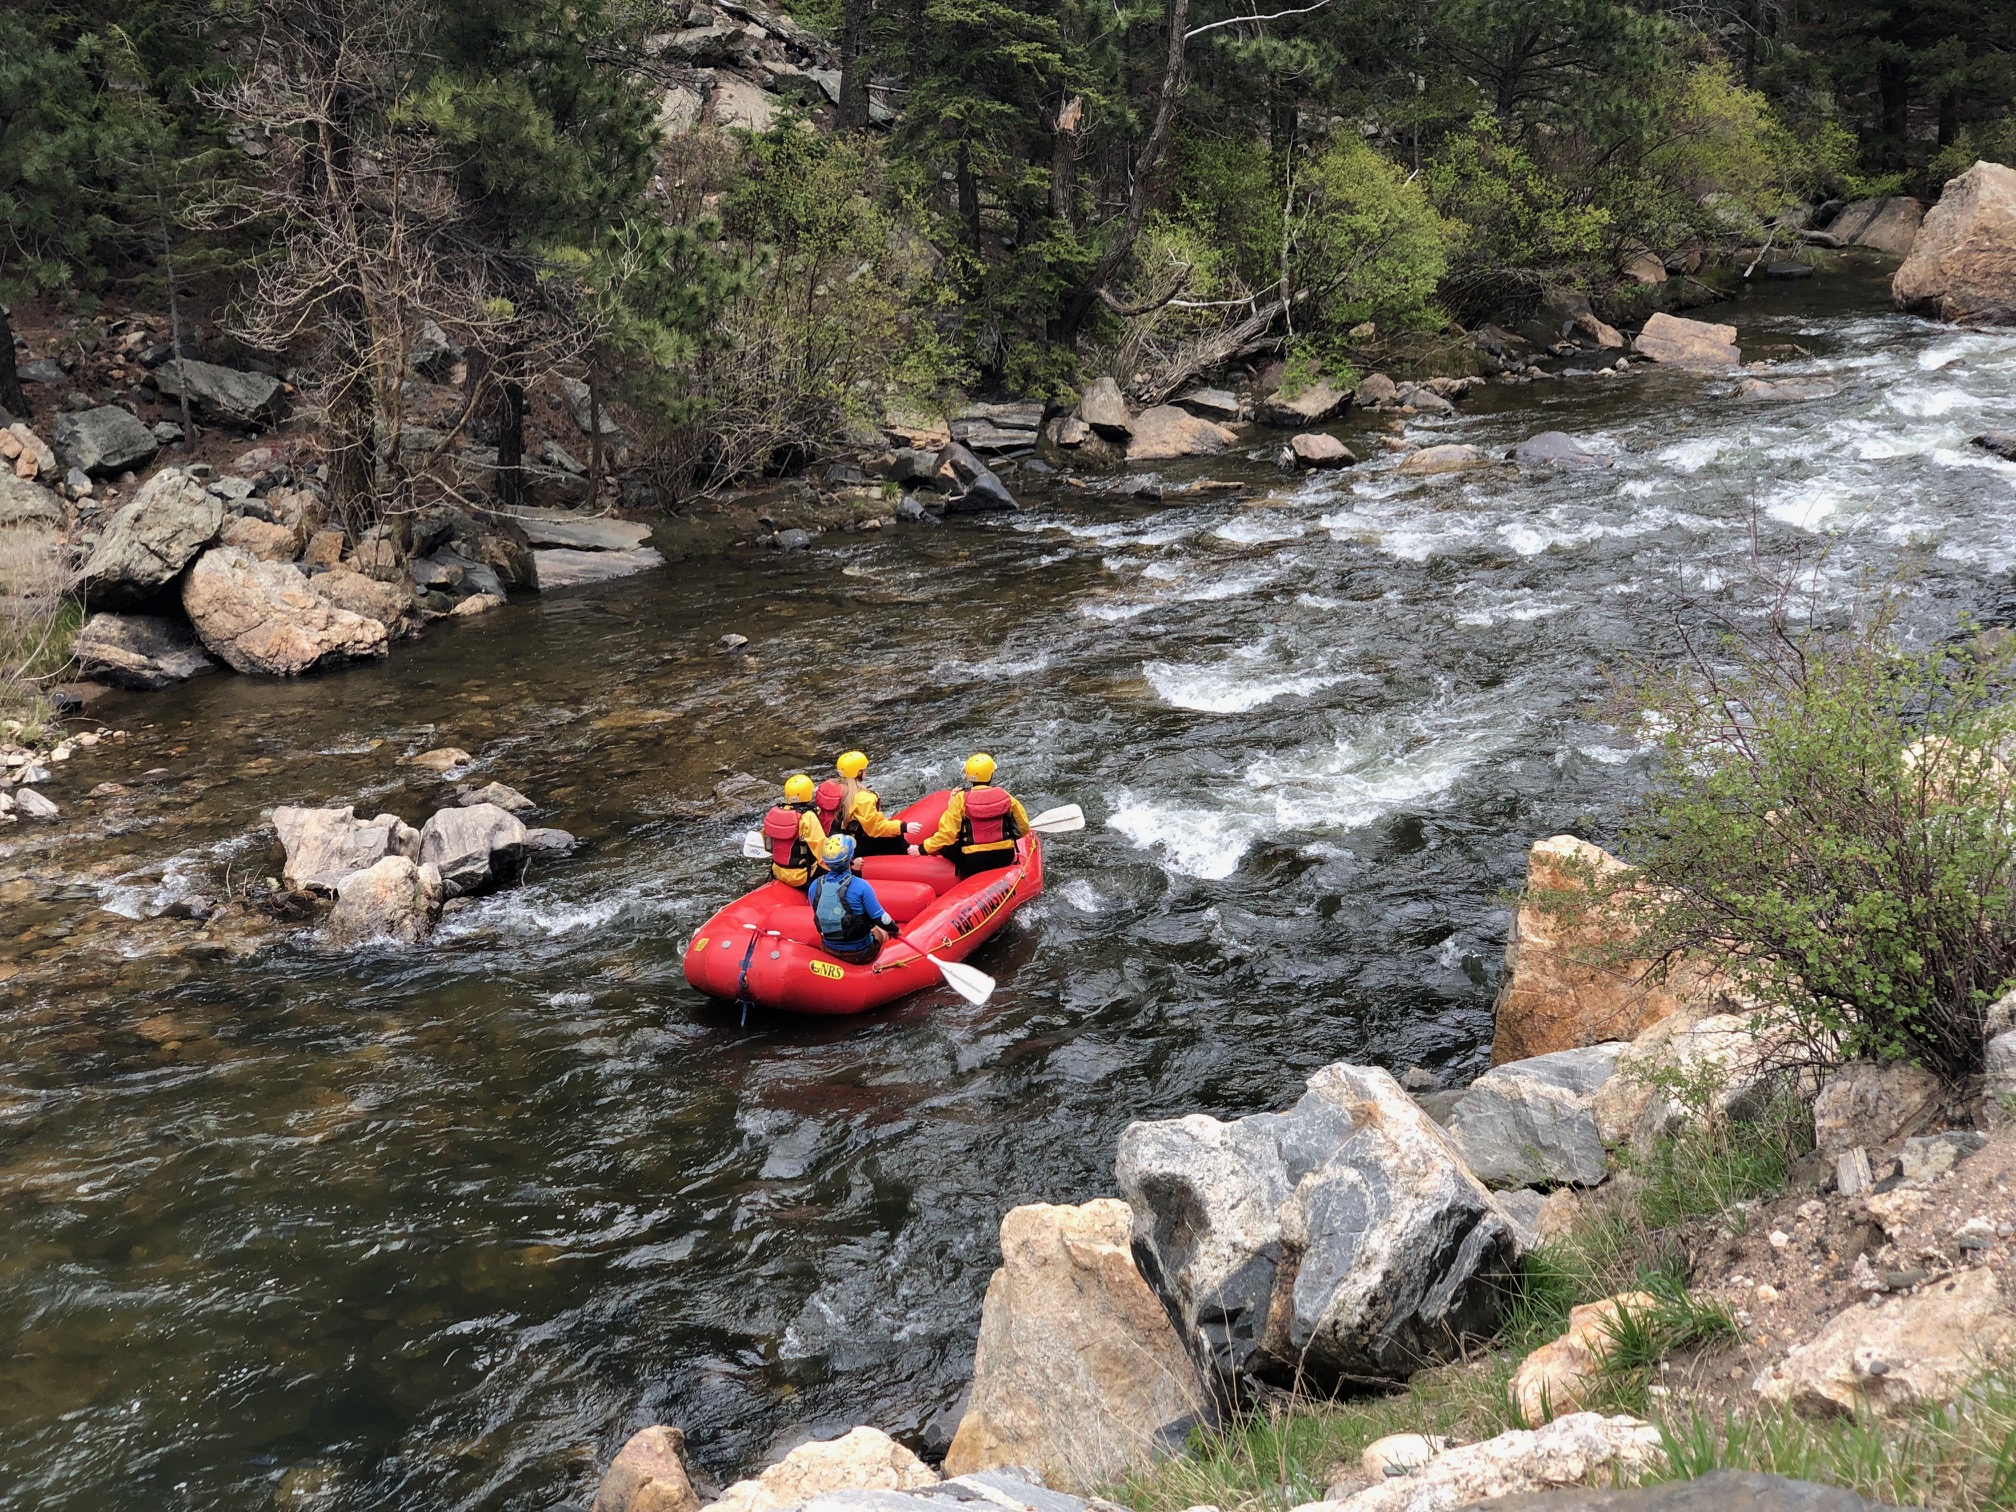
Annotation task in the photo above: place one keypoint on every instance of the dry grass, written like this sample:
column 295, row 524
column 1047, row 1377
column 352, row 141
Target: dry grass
column 39, row 619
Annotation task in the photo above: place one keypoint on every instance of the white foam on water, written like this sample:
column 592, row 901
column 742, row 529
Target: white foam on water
column 533, row 911
column 1519, row 606
column 1802, row 505
column 1318, row 601
column 1113, row 613
column 1692, row 456
column 1083, row 896
column 1928, row 404
column 1638, row 488
column 1192, row 842
column 1259, row 530
column 1234, row 686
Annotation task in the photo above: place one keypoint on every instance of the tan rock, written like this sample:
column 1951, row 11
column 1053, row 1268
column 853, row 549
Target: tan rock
column 1570, row 1451
column 1590, row 329
column 1717, row 1067
column 260, row 539
column 1400, row 1454
column 325, row 845
column 1560, row 1213
column 1166, row 431
column 390, row 604
column 1688, row 343
column 1375, row 391
column 31, row 447
column 1565, row 986
column 1642, row 265
column 324, row 549
column 378, row 559
column 1555, row 1378
column 1317, row 449
column 263, row 617
column 1889, row 224
column 1078, row 1372
column 475, row 604
column 862, row 1459
column 441, row 759
column 1867, row 1104
column 1963, row 264
column 1311, row 404
column 391, row 899
column 1445, row 459
column 1911, row 1350
column 648, row 1475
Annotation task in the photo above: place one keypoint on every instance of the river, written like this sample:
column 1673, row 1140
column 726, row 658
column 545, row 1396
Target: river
column 438, row 1228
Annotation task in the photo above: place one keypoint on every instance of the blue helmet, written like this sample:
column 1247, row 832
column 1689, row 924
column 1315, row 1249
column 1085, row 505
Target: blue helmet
column 838, row 852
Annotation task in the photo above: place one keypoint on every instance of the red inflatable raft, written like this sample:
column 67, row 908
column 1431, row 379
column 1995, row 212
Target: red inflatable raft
column 764, row 947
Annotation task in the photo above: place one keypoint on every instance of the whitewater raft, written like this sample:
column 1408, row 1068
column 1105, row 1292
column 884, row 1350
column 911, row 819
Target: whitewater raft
column 764, row 948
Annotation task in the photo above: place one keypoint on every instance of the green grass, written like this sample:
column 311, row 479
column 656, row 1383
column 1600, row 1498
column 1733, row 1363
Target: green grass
column 1712, row 1171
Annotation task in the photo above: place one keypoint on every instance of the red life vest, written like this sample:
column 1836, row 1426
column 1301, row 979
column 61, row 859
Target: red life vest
column 987, row 817
column 787, row 849
column 827, row 803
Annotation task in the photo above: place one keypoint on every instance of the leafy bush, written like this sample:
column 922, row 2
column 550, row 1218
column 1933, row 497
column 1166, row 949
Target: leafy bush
column 1834, row 830
column 1994, row 140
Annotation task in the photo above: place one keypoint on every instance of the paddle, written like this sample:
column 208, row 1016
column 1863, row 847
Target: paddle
column 970, row 983
column 754, row 848
column 1059, row 821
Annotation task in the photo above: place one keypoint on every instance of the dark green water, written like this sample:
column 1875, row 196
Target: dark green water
column 438, row 1228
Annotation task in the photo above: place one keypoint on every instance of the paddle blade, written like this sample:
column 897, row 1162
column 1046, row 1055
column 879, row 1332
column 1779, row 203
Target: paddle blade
column 754, row 848
column 1059, row 821
column 970, row 983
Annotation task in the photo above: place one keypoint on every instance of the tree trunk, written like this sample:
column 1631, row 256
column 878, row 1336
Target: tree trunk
column 969, row 197
column 1064, row 157
column 1949, row 117
column 854, row 18
column 11, row 398
column 1893, row 89
column 508, row 422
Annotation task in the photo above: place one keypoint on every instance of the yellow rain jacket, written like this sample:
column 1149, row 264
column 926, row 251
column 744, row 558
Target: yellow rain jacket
column 868, row 819
column 952, row 829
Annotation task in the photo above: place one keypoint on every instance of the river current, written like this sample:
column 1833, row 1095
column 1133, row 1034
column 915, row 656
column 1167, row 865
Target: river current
column 438, row 1228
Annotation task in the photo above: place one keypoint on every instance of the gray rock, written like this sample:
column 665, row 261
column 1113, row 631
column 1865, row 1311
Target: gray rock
column 1310, row 405
column 914, row 465
column 581, row 408
column 1341, row 1242
column 1424, row 400
column 150, row 539
column 2001, row 442
column 978, row 490
column 566, row 568
column 470, row 576
column 26, row 503
column 559, row 527
column 1555, row 449
column 42, row 370
column 325, row 845
column 474, row 847
column 227, row 394
column 546, row 841
column 143, row 652
column 717, row 46
column 32, row 805
column 1788, row 270
column 392, row 899
column 1521, row 1208
column 1717, row 1491
column 1756, row 389
column 791, row 540
column 1533, row 1122
column 1930, row 1156
column 103, row 440
column 432, row 356
column 1104, row 408
column 1211, row 403
column 508, row 799
column 1867, row 1104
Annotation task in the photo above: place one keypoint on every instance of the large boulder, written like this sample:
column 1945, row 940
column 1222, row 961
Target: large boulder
column 391, row 899
column 264, row 617
column 1078, row 1373
column 1687, row 1070
column 561, row 527
column 1963, row 264
column 474, row 846
column 648, row 1475
column 1533, row 1122
column 1166, row 431
column 975, row 489
column 390, row 604
column 267, row 540
column 225, row 394
column 325, row 845
column 1320, row 449
column 1104, row 408
column 150, row 539
column 1909, row 1350
column 1689, row 343
column 1375, row 391
column 862, row 1459
column 1565, row 985
column 1865, row 1104
column 1570, row 1451
column 26, row 503
column 138, row 651
column 1341, row 1242
column 103, row 440
column 1552, row 449
column 1889, row 224
column 1311, row 404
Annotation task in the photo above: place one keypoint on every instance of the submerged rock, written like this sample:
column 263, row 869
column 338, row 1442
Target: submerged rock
column 1555, row 449
column 1787, row 388
column 1078, row 1373
column 1963, row 263
column 1444, row 459
column 1341, row 1242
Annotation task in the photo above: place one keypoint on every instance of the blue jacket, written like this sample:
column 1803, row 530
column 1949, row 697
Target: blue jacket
column 861, row 908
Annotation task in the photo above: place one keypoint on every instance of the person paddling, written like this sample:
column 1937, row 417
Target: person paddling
column 848, row 806
column 793, row 834
column 981, row 824
column 853, row 925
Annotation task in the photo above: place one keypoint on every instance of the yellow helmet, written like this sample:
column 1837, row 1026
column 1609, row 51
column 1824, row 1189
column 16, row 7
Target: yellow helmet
column 979, row 767
column 798, row 789
column 851, row 764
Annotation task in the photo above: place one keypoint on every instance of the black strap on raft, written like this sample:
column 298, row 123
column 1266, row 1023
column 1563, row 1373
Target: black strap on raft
column 742, row 984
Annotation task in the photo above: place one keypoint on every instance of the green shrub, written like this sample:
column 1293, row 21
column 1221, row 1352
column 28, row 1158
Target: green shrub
column 1833, row 829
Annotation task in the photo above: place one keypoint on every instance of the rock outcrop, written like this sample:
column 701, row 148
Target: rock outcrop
column 648, row 1475
column 1688, row 343
column 1889, row 224
column 390, row 604
column 474, row 847
column 862, row 1459
column 391, row 899
column 560, row 527
column 1570, row 1451
column 1566, row 982
column 1078, row 1373
column 150, row 539
column 1339, row 1242
column 1556, row 1378
column 103, row 440
column 264, row 617
column 1869, row 1105
column 143, row 652
column 1906, row 1351
column 1533, row 1122
column 325, row 845
column 1963, row 264
column 1104, row 408
column 1166, row 432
